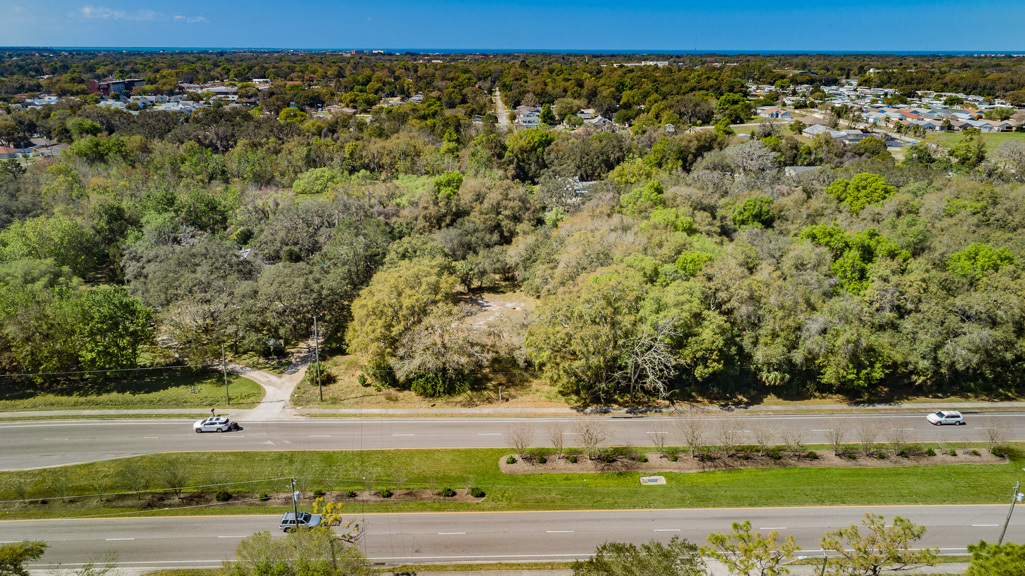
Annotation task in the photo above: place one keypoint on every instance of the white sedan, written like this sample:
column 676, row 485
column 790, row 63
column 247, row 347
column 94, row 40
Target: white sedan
column 946, row 417
column 215, row 424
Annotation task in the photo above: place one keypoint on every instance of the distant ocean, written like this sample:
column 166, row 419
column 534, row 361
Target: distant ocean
column 596, row 51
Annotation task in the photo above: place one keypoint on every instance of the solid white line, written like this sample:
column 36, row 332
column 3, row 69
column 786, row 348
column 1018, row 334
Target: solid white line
column 773, row 528
column 320, row 435
column 113, row 539
column 490, row 434
column 984, row 525
column 667, row 529
column 558, row 531
column 402, row 434
column 231, row 536
column 450, row 533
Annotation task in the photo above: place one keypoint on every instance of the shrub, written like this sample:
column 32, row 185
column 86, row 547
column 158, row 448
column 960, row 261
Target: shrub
column 222, row 496
column 318, row 493
column 705, row 457
column 745, row 456
column 350, row 493
column 953, row 452
column 477, row 492
column 673, row 458
column 362, row 380
column 903, row 454
column 510, row 460
column 880, row 456
column 43, row 501
column 541, row 459
column 930, row 452
column 812, row 455
column 264, row 497
column 608, row 458
column 998, row 451
column 642, row 458
column 850, row 455
column 386, row 493
column 775, row 455
column 448, row 492
column 975, row 453
column 572, row 458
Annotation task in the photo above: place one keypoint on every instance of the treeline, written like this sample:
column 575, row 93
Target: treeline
column 662, row 264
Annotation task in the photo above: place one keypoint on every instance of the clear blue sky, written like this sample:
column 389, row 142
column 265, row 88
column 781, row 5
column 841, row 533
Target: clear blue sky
column 869, row 25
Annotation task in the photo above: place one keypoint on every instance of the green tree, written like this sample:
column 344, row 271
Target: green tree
column 879, row 548
column 396, row 301
column 318, row 181
column 548, row 116
column 977, row 259
column 642, row 201
column 526, row 151
column 747, row 553
column 291, row 115
column 677, row 558
column 970, row 151
column 314, row 552
column 754, row 211
column 14, row 555
column 996, row 559
column 861, row 190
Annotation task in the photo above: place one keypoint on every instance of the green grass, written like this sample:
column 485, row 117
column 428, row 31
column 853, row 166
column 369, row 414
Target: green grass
column 267, row 471
column 992, row 140
column 152, row 389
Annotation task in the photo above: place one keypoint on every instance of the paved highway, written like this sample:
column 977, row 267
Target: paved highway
column 32, row 444
column 474, row 537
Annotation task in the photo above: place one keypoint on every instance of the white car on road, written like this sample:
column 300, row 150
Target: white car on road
column 946, row 417
column 215, row 424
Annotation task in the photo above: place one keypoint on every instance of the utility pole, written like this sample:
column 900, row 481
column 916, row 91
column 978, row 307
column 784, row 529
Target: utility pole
column 295, row 506
column 1016, row 496
column 316, row 356
column 224, row 368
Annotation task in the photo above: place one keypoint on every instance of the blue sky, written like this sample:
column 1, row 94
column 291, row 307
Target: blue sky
column 869, row 25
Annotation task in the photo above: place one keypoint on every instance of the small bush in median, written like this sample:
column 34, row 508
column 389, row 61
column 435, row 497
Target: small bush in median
column 930, row 452
column 222, row 496
column 642, row 458
column 541, row 459
column 880, row 456
column 953, row 452
column 448, row 492
column 477, row 492
column 510, row 460
column 350, row 493
column 318, row 493
column 386, row 493
column 264, row 497
column 572, row 458
column 975, row 453
column 672, row 457
column 775, row 455
column 812, row 455
column 903, row 454
column 998, row 451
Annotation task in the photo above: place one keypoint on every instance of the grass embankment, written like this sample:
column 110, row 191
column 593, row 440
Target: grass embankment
column 150, row 389
column 401, row 470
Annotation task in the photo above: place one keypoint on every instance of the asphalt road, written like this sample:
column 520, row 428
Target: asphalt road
column 468, row 537
column 28, row 444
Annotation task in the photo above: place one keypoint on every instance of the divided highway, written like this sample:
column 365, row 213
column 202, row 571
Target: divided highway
column 33, row 444
column 482, row 537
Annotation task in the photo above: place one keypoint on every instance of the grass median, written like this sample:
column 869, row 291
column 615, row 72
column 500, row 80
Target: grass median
column 110, row 487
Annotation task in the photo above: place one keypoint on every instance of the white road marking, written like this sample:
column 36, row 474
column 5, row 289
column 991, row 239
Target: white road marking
column 320, row 435
column 490, row 434
column 231, row 536
column 402, row 434
column 667, row 529
column 118, row 539
column 984, row 525
column 450, row 533
column 772, row 528
column 558, row 531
